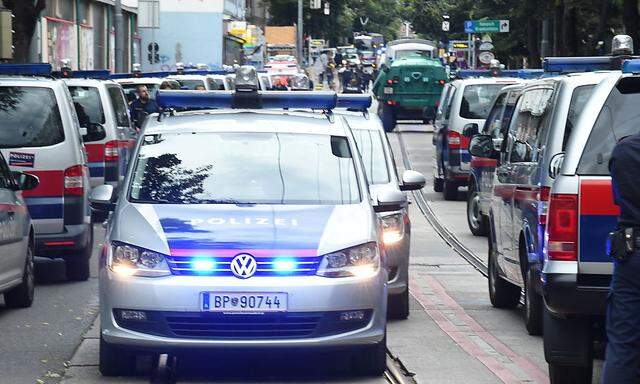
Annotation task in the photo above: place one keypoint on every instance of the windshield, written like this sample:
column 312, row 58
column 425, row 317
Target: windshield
column 191, row 84
column 29, row 117
column 372, row 152
column 478, row 99
column 412, row 53
column 88, row 105
column 260, row 168
column 619, row 117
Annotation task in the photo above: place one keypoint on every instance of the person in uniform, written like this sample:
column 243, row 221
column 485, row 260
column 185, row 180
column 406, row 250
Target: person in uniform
column 623, row 308
column 142, row 107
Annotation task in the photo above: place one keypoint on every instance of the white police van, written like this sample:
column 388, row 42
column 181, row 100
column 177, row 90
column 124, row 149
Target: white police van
column 40, row 135
column 244, row 217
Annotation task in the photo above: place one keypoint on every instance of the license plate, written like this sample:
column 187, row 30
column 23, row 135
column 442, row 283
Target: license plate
column 388, row 90
column 244, row 302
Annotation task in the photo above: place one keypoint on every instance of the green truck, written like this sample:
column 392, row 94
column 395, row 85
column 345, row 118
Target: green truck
column 409, row 89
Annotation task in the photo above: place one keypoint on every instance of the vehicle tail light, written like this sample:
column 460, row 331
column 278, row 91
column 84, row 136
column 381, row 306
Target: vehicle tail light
column 390, row 82
column 391, row 102
column 441, row 82
column 111, row 151
column 543, row 207
column 74, row 181
column 453, row 140
column 562, row 227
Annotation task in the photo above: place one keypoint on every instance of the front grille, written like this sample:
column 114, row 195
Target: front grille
column 304, row 266
column 220, row 326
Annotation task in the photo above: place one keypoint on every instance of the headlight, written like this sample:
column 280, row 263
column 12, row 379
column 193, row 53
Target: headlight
column 361, row 260
column 129, row 260
column 392, row 228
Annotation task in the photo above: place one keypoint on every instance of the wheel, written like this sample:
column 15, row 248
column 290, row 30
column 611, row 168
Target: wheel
column 478, row 223
column 398, row 306
column 373, row 360
column 388, row 119
column 438, row 184
column 502, row 293
column 22, row 295
column 115, row 361
column 426, row 121
column 563, row 374
column 533, row 305
column 77, row 268
column 450, row 190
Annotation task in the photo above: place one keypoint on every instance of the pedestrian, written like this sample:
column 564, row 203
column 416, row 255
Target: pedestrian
column 623, row 307
column 142, row 107
column 324, row 62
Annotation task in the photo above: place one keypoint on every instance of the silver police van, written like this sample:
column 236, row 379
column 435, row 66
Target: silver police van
column 244, row 218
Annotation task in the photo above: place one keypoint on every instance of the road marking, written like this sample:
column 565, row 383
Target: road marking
column 472, row 337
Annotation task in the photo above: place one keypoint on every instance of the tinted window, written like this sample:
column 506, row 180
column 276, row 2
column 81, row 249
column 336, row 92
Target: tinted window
column 412, row 53
column 5, row 174
column 372, row 153
column 29, row 117
column 619, row 117
column 493, row 124
column 578, row 100
column 191, row 84
column 130, row 90
column 477, row 100
column 119, row 106
column 88, row 105
column 532, row 124
column 448, row 102
column 263, row 168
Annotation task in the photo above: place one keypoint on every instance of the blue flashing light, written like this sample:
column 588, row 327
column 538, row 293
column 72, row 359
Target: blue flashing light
column 40, row 69
column 101, row 74
column 359, row 102
column 115, row 76
column 284, row 265
column 203, row 265
column 156, row 74
column 169, row 99
column 577, row 64
column 631, row 66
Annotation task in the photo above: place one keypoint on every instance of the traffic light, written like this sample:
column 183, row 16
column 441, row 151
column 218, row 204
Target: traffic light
column 6, row 34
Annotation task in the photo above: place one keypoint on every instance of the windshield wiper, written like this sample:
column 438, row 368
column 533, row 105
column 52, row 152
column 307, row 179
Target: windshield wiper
column 224, row 201
column 155, row 201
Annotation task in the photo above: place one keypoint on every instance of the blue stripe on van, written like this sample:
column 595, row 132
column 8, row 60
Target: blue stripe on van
column 45, row 207
column 593, row 233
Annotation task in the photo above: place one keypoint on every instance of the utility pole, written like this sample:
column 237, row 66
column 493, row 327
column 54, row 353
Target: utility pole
column 300, row 41
column 119, row 46
column 544, row 44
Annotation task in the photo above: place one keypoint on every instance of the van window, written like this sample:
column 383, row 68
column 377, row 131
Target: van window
column 532, row 124
column 477, row 100
column 493, row 125
column 373, row 157
column 120, row 108
column 619, row 117
column 88, row 105
column 578, row 100
column 29, row 117
column 450, row 97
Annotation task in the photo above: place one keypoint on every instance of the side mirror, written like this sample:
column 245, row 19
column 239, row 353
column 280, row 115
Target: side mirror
column 412, row 181
column 101, row 198
column 24, row 181
column 94, row 132
column 482, row 146
column 555, row 165
column 470, row 130
column 389, row 199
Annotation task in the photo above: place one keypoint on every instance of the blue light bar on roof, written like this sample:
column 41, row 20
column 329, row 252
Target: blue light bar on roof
column 228, row 99
column 518, row 73
column 577, row 64
column 101, row 74
column 39, row 69
column 115, row 76
column 350, row 101
column 631, row 66
column 157, row 74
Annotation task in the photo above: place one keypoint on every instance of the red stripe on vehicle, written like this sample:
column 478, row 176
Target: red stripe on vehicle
column 51, row 184
column 596, row 198
column 483, row 162
column 526, row 194
column 95, row 152
column 12, row 208
column 464, row 142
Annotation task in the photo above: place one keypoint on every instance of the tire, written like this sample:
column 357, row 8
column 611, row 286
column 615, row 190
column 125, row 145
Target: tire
column 22, row 295
column 77, row 268
column 563, row 374
column 398, row 306
column 502, row 293
column 388, row 119
column 426, row 121
column 372, row 361
column 450, row 190
column 115, row 361
column 478, row 223
column 533, row 306
column 438, row 184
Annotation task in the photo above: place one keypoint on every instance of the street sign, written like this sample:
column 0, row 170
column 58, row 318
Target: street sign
column 445, row 26
column 327, row 9
column 486, row 26
column 486, row 57
column 316, row 4
column 486, row 46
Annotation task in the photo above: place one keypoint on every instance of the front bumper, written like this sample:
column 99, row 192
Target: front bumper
column 180, row 295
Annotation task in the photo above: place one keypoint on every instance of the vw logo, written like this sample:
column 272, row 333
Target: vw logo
column 244, row 266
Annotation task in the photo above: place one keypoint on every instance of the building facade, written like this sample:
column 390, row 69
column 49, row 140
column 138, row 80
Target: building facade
column 83, row 32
